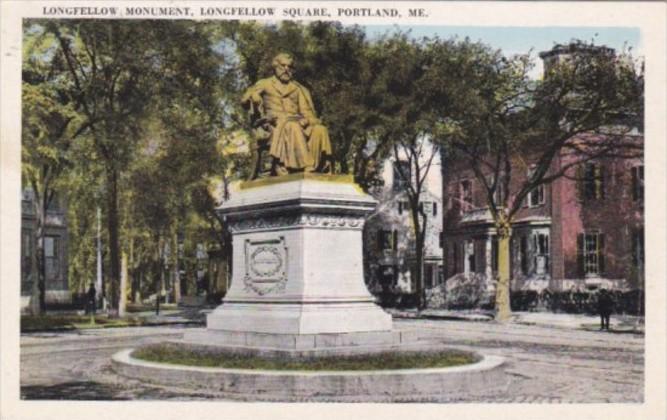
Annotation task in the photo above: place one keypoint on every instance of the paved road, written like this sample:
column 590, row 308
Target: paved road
column 546, row 365
column 551, row 364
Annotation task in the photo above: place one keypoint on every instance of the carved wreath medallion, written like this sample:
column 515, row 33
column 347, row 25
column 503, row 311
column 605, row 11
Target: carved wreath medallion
column 265, row 266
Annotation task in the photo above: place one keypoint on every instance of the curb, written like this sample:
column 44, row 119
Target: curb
column 368, row 386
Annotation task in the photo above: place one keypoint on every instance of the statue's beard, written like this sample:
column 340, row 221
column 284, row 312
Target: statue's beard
column 285, row 76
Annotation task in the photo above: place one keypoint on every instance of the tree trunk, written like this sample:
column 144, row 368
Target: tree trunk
column 35, row 307
column 122, row 301
column 99, row 281
column 503, row 309
column 419, row 257
column 419, row 275
column 160, row 277
column 40, row 234
column 114, row 244
column 176, row 279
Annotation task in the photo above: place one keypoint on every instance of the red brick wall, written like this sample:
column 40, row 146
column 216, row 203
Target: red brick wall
column 616, row 215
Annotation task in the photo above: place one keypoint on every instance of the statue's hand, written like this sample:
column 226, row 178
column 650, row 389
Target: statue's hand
column 303, row 122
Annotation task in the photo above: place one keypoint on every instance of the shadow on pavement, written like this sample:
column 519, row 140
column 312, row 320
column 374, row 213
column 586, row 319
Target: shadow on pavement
column 77, row 390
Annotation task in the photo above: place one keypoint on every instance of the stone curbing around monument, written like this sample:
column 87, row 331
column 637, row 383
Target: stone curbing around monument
column 368, row 386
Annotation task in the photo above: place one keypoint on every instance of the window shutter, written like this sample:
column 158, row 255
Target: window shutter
column 394, row 235
column 540, row 193
column 599, row 178
column 579, row 179
column 580, row 254
column 601, row 267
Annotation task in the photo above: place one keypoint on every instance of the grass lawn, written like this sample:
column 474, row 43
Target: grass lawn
column 181, row 355
column 74, row 322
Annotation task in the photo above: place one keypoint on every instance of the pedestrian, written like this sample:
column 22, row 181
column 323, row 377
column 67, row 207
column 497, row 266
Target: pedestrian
column 605, row 306
column 91, row 297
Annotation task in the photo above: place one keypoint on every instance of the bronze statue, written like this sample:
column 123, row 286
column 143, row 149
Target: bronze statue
column 284, row 123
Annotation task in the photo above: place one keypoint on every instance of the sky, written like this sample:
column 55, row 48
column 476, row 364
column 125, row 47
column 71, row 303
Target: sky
column 520, row 40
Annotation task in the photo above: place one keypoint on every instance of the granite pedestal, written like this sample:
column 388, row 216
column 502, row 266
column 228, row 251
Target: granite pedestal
column 297, row 266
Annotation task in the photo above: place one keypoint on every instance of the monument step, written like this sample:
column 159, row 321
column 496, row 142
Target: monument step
column 300, row 345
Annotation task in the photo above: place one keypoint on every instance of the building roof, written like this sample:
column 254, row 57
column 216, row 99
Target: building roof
column 560, row 49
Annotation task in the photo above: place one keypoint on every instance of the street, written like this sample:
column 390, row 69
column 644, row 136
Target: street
column 545, row 364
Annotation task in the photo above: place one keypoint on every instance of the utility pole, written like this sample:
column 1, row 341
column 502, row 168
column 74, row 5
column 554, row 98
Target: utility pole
column 99, row 283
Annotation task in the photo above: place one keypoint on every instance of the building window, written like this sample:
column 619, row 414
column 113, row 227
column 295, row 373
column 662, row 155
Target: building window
column 638, row 183
column 470, row 259
column 51, row 246
column 26, row 248
column 541, row 253
column 536, row 196
column 387, row 240
column 401, row 175
column 441, row 239
column 435, row 209
column 465, row 194
column 52, row 257
column 523, row 254
column 590, row 247
column 591, row 181
column 403, row 206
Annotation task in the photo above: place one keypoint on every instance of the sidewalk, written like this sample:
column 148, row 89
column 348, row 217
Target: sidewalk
column 618, row 323
column 56, row 321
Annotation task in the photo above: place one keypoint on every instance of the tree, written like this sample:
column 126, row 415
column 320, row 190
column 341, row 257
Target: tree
column 50, row 122
column 123, row 72
column 406, row 127
column 584, row 108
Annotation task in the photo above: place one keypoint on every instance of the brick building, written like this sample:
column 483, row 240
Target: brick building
column 582, row 231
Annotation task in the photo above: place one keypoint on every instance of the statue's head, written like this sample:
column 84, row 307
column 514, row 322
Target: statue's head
column 282, row 67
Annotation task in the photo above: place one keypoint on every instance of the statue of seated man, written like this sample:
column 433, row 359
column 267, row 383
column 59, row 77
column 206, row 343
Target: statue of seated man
column 283, row 116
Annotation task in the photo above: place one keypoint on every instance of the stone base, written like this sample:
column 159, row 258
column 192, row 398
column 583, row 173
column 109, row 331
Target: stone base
column 301, row 345
column 323, row 318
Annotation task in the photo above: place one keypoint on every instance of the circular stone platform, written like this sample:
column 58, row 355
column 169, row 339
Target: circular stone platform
column 367, row 386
